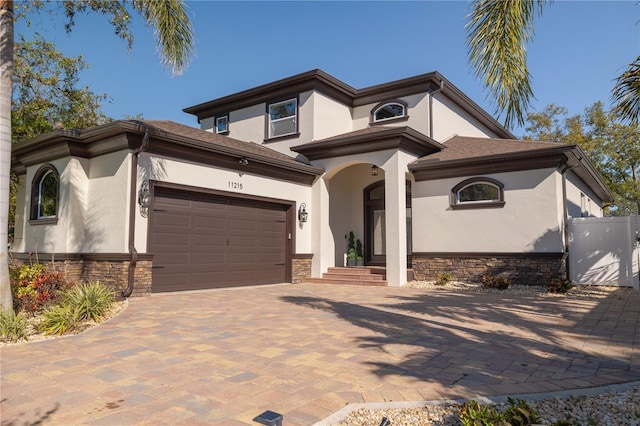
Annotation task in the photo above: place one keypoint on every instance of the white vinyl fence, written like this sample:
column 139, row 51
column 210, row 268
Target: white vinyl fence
column 604, row 251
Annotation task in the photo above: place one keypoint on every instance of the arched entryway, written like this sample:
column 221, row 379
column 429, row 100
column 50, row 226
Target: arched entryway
column 374, row 223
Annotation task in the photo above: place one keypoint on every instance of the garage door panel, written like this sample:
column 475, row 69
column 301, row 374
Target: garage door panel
column 203, row 241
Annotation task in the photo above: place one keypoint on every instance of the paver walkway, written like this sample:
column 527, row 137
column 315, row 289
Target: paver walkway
column 223, row 356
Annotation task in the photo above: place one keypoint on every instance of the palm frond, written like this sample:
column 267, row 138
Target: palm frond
column 626, row 93
column 173, row 31
column 497, row 35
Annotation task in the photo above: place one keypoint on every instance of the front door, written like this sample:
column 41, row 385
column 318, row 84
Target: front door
column 374, row 223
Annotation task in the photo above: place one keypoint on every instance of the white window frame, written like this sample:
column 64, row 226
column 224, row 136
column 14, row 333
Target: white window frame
column 226, row 127
column 294, row 117
column 40, row 194
column 375, row 112
column 479, row 182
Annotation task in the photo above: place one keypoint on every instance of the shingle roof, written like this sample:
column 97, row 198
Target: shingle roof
column 172, row 128
column 460, row 148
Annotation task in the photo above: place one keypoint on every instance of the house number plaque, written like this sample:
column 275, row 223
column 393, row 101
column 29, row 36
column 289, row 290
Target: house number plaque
column 235, row 185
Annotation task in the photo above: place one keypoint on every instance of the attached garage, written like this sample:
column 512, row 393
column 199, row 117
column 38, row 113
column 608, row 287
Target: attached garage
column 206, row 240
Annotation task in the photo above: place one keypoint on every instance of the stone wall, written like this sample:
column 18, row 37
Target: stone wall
column 112, row 270
column 301, row 268
column 524, row 269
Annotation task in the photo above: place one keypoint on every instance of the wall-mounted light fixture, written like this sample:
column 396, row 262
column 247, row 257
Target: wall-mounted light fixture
column 243, row 161
column 302, row 214
column 144, row 197
column 374, row 170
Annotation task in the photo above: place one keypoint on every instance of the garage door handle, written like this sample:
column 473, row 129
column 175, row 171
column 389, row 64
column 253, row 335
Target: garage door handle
column 157, row 267
column 278, row 264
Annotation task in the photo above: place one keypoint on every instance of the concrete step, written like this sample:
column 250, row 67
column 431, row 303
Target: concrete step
column 343, row 281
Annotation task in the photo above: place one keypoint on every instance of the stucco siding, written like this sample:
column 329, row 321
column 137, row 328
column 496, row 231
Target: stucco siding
column 528, row 222
column 449, row 120
column 107, row 204
column 330, row 118
column 199, row 176
column 581, row 201
column 246, row 124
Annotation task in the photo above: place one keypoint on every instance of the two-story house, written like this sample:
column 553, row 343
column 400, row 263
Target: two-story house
column 270, row 186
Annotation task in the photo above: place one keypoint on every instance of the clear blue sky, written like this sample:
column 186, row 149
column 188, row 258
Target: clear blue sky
column 578, row 50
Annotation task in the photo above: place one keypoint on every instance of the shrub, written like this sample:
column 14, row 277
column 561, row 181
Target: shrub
column 559, row 286
column 34, row 289
column 59, row 319
column 442, row 278
column 492, row 281
column 13, row 327
column 473, row 413
column 520, row 413
column 90, row 301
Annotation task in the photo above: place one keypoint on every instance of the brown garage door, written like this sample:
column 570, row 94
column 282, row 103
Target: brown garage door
column 207, row 241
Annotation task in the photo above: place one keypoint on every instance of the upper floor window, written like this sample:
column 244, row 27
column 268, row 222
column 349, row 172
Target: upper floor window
column 389, row 111
column 222, row 124
column 44, row 193
column 477, row 193
column 283, row 118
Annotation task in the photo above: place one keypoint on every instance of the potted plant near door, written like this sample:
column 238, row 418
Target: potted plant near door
column 351, row 250
column 359, row 256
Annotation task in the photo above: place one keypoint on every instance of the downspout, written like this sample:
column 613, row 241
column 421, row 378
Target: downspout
column 563, row 171
column 439, row 89
column 132, row 214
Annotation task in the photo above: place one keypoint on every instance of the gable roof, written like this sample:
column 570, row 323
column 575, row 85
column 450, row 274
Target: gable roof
column 465, row 156
column 165, row 138
column 369, row 139
column 325, row 83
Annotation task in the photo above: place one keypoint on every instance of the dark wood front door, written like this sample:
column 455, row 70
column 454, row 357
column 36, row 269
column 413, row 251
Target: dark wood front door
column 375, row 224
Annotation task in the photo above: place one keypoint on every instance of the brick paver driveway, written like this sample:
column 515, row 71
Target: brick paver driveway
column 224, row 356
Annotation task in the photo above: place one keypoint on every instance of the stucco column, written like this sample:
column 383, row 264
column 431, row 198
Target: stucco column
column 322, row 244
column 395, row 220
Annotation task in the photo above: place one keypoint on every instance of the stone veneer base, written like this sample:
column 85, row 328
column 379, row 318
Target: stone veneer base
column 520, row 268
column 110, row 269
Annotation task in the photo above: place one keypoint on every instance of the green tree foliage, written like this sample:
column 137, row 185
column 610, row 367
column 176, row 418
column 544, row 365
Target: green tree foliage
column 613, row 146
column 46, row 95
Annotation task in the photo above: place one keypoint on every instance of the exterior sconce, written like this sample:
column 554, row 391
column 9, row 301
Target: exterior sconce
column 144, row 197
column 302, row 214
column 374, row 170
column 243, row 161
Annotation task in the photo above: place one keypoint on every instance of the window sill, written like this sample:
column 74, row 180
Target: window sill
column 390, row 120
column 45, row 221
column 471, row 206
column 283, row 137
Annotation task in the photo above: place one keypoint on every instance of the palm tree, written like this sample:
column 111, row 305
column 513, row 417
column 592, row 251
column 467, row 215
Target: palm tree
column 6, row 69
column 498, row 31
column 175, row 44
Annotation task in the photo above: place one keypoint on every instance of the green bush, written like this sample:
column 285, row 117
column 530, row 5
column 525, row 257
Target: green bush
column 33, row 288
column 90, row 301
column 492, row 281
column 13, row 327
column 559, row 286
column 59, row 319
column 443, row 278
column 473, row 413
column 518, row 413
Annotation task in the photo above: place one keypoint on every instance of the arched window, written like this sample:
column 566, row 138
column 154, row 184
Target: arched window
column 44, row 193
column 478, row 193
column 390, row 110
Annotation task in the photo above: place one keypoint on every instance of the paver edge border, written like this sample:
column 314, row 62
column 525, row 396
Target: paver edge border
column 342, row 413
